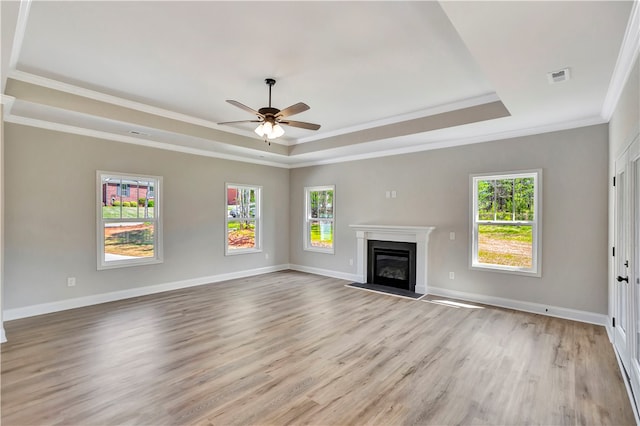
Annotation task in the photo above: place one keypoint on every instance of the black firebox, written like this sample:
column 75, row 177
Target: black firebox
column 392, row 264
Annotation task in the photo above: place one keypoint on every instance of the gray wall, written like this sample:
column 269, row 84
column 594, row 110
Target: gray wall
column 433, row 189
column 50, row 215
column 51, row 229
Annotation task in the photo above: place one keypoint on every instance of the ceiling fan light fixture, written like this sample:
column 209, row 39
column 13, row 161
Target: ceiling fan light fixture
column 260, row 130
column 276, row 132
column 267, row 127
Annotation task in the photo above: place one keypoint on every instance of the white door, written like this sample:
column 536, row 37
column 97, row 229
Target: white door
column 621, row 262
column 634, row 267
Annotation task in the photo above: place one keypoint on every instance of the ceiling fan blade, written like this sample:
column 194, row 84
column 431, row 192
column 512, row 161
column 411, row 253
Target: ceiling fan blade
column 301, row 124
column 293, row 109
column 244, row 107
column 241, row 121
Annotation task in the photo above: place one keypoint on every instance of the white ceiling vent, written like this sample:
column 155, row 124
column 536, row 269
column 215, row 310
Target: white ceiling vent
column 559, row 76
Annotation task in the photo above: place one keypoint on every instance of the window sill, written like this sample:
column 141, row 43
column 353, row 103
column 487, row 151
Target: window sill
column 506, row 270
column 320, row 250
column 128, row 263
column 242, row 251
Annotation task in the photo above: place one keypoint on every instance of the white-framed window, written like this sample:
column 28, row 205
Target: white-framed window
column 242, row 219
column 319, row 224
column 129, row 222
column 506, row 222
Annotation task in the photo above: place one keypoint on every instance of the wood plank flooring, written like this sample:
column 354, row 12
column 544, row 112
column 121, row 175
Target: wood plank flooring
column 295, row 348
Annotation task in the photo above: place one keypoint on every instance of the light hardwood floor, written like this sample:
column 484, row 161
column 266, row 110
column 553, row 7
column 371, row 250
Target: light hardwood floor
column 290, row 347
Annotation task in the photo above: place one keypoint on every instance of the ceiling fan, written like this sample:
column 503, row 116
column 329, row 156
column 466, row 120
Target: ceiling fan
column 270, row 118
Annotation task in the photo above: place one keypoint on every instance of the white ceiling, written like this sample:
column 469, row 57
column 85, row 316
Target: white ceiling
column 449, row 72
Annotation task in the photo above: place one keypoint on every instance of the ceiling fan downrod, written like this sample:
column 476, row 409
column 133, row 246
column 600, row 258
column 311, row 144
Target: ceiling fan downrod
column 270, row 82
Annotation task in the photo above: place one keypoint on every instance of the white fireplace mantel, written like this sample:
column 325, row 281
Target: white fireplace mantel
column 408, row 234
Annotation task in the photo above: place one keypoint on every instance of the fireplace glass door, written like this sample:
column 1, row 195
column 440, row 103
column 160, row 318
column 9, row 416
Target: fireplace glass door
column 392, row 264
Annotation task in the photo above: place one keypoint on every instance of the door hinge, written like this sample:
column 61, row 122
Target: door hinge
column 614, row 251
column 614, row 181
column 613, row 320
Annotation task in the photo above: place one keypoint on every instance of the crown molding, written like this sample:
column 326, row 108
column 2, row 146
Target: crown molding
column 626, row 59
column 291, row 164
column 21, row 29
column 439, row 109
column 48, row 125
column 449, row 143
column 7, row 103
column 125, row 103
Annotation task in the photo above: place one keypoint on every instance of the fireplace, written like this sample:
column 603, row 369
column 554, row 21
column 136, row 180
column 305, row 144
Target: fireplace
column 392, row 264
column 395, row 233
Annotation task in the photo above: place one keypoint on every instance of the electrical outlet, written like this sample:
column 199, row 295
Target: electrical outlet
column 387, row 194
column 266, row 256
column 452, row 236
column 350, row 262
column 452, row 275
column 393, row 194
column 71, row 282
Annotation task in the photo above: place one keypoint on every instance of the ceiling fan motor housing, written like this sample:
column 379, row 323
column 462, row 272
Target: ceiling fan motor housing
column 268, row 111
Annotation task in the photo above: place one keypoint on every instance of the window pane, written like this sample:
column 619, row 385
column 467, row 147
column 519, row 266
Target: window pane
column 328, row 204
column 321, row 204
column 505, row 245
column 523, row 198
column 111, row 196
column 314, row 202
column 241, row 202
column 126, row 200
column 127, row 240
column 241, row 235
column 504, row 199
column 321, row 233
column 486, row 206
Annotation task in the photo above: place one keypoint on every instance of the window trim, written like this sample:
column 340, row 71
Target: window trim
column 536, row 249
column 307, row 219
column 100, row 222
column 257, row 219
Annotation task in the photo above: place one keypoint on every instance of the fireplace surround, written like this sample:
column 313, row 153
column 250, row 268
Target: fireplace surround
column 411, row 234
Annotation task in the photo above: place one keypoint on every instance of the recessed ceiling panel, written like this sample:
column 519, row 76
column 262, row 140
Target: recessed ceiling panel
column 352, row 62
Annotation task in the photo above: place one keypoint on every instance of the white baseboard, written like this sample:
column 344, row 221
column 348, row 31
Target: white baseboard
column 45, row 308
column 609, row 330
column 553, row 311
column 536, row 308
column 62, row 305
column 326, row 272
column 627, row 384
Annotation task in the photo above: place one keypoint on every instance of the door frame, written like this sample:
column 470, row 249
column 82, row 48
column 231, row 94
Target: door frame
column 622, row 236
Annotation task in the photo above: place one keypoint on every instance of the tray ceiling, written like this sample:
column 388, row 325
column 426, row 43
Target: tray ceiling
column 380, row 77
